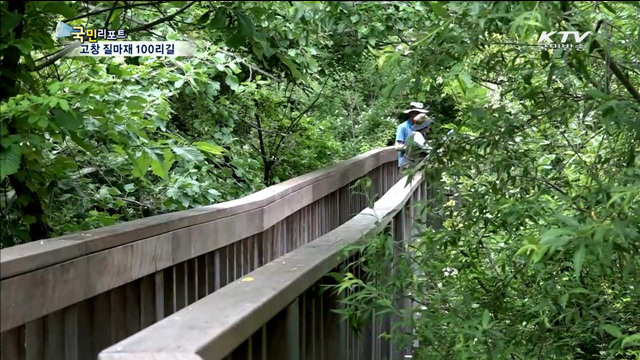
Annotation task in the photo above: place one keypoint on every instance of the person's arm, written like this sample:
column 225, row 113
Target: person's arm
column 400, row 139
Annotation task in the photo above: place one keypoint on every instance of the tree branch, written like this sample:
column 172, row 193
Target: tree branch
column 616, row 70
column 113, row 8
column 595, row 45
column 161, row 20
column 297, row 119
column 57, row 55
column 100, row 11
column 258, row 70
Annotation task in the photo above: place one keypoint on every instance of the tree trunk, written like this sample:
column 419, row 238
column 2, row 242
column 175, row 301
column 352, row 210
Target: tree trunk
column 8, row 88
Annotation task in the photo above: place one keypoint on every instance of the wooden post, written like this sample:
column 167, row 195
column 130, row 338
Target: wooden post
column 34, row 340
column 398, row 228
column 284, row 334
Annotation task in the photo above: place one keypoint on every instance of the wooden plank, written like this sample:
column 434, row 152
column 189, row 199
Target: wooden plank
column 408, row 221
column 159, row 284
column 316, row 327
column 237, row 248
column 181, row 285
column 231, row 263
column 251, row 253
column 246, row 255
column 211, row 272
column 85, row 328
column 148, row 312
column 54, row 335
column 319, row 320
column 102, row 328
column 259, row 344
column 259, row 250
column 169, row 291
column 34, row 340
column 12, row 342
column 71, row 333
column 292, row 228
column 201, row 267
column 132, row 294
column 398, row 231
column 302, row 299
column 242, row 352
column 265, row 246
column 334, row 331
column 118, row 314
column 192, row 281
column 221, row 267
column 30, row 296
column 284, row 330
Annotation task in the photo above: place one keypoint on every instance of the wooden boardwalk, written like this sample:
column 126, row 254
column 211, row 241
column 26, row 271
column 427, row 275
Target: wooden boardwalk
column 236, row 280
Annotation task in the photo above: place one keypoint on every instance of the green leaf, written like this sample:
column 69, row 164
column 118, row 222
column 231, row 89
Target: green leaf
column 65, row 120
column 204, row 18
column 466, row 78
column 236, row 40
column 10, row 160
column 612, row 329
column 526, row 249
column 161, row 163
column 220, row 19
column 393, row 89
column 486, row 318
column 556, row 236
column 292, row 66
column 631, row 340
column 59, row 7
column 226, row 172
column 64, row 104
column 134, row 104
column 80, row 141
column 578, row 259
column 9, row 21
column 595, row 93
column 209, row 148
column 24, row 45
column 140, row 164
column 439, row 10
column 213, row 87
column 178, row 83
column 188, row 153
column 245, row 25
column 232, row 81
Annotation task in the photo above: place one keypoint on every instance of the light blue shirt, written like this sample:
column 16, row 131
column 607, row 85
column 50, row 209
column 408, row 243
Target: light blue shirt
column 402, row 134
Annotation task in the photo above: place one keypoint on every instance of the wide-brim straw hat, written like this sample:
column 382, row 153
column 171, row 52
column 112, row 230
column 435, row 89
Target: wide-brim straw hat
column 413, row 110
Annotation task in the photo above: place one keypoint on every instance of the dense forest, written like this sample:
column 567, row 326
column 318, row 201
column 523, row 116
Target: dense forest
column 538, row 254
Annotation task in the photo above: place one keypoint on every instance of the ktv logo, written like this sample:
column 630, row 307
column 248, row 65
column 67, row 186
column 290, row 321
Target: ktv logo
column 546, row 42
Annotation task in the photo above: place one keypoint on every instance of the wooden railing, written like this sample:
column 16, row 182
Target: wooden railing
column 72, row 296
column 279, row 311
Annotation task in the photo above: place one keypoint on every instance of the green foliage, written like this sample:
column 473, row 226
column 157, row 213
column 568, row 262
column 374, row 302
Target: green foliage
column 537, row 257
column 89, row 142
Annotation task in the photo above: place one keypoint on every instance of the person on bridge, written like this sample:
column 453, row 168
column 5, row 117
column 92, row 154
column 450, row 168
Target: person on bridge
column 404, row 130
column 416, row 146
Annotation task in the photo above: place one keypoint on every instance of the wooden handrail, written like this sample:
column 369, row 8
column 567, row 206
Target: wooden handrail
column 45, row 276
column 23, row 258
column 215, row 325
